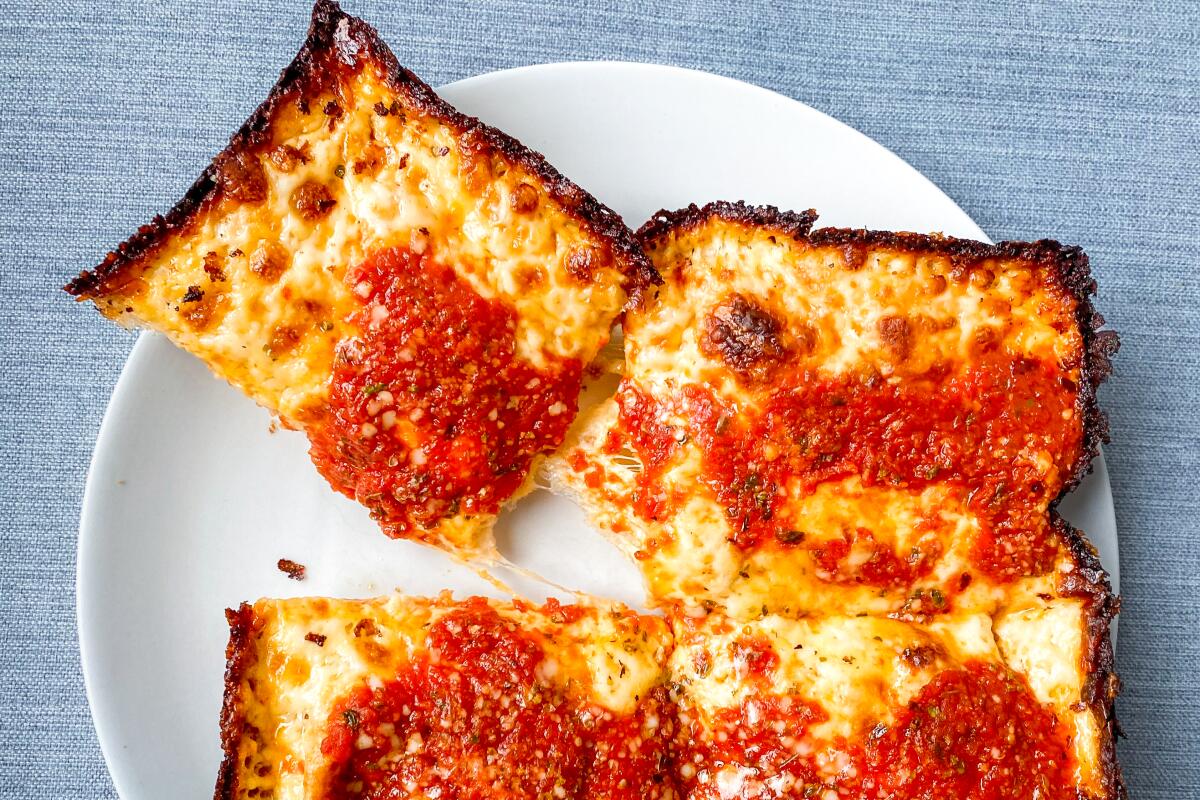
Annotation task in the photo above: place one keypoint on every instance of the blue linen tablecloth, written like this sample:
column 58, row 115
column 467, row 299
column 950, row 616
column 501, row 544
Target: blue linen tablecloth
column 1078, row 120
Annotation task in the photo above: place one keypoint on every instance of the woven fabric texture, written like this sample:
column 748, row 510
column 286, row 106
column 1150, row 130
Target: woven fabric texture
column 1079, row 120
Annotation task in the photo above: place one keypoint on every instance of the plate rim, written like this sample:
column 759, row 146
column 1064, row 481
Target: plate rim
column 85, row 543
column 88, row 528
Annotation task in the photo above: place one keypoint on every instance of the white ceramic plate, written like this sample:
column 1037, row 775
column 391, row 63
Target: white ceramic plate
column 191, row 499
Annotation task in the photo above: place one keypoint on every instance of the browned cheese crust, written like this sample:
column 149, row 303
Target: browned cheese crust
column 239, row 659
column 1103, row 684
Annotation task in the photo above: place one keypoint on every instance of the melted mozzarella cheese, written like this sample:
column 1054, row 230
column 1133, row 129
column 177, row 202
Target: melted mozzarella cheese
column 808, row 286
column 852, row 668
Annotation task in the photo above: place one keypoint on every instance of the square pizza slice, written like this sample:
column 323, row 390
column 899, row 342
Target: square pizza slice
column 415, row 290
column 962, row 707
column 403, row 697
column 847, row 421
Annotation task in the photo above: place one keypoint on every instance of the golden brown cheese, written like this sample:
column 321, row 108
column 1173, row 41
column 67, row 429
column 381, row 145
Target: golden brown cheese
column 278, row 266
column 331, row 698
column 834, row 706
column 845, row 421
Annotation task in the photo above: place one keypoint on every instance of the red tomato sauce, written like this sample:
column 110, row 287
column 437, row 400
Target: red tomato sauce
column 473, row 719
column 973, row 432
column 760, row 742
column 754, row 657
column 884, row 567
column 976, row 733
column 431, row 412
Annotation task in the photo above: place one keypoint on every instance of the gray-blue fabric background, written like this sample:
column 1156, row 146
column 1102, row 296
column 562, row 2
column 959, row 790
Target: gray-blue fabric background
column 1079, row 120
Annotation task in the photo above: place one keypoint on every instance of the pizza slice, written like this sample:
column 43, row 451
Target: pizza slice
column 866, row 707
column 427, row 698
column 416, row 291
column 846, row 421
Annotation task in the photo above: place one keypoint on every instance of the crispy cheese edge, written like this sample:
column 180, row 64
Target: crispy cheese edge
column 1101, row 683
column 240, row 658
column 350, row 39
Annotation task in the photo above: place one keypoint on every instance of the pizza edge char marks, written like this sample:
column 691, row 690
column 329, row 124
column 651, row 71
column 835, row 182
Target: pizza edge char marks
column 239, row 661
column 448, row 486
